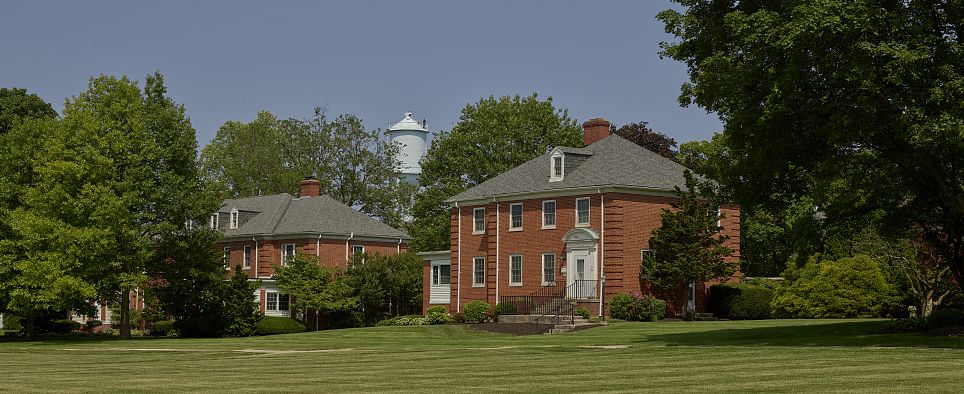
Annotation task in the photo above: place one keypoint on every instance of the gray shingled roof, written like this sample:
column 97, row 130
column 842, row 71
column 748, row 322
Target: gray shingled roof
column 281, row 214
column 613, row 161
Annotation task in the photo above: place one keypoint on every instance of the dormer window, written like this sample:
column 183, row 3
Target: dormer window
column 234, row 219
column 214, row 221
column 557, row 169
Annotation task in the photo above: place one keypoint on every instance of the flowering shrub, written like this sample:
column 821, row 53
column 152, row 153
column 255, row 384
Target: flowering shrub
column 637, row 307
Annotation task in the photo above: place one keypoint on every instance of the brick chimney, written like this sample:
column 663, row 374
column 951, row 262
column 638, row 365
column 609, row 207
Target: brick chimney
column 310, row 187
column 594, row 130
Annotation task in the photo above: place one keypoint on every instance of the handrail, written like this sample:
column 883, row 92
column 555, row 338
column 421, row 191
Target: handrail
column 548, row 300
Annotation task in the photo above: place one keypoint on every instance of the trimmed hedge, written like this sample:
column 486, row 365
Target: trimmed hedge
column 945, row 317
column 437, row 315
column 476, row 312
column 271, row 325
column 410, row 320
column 60, row 326
column 637, row 308
column 505, row 308
column 740, row 302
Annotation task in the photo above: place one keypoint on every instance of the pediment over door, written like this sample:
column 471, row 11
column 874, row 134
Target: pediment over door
column 582, row 234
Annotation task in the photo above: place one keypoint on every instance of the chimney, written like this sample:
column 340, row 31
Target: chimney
column 594, row 130
column 310, row 187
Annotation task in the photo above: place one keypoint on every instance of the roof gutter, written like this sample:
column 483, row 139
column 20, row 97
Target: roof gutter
column 567, row 191
column 458, row 286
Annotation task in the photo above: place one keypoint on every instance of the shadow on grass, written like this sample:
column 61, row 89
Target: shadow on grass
column 800, row 333
column 68, row 339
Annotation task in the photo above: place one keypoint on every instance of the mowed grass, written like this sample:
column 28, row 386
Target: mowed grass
column 759, row 356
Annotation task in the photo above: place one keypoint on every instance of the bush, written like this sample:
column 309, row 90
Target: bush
column 437, row 315
column 583, row 312
column 11, row 323
column 504, row 308
column 411, row 320
column 476, row 312
column 740, row 302
column 163, row 328
column 271, row 325
column 458, row 317
column 914, row 324
column 59, row 326
column 91, row 324
column 637, row 308
column 345, row 319
column 849, row 287
column 946, row 317
column 200, row 327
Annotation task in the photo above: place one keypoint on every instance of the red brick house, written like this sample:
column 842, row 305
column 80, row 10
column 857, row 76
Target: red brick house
column 574, row 220
column 261, row 233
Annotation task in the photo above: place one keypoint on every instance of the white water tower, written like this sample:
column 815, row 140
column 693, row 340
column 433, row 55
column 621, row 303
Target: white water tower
column 412, row 138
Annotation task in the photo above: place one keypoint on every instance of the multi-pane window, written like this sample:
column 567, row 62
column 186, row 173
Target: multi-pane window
column 358, row 253
column 441, row 274
column 582, row 210
column 548, row 214
column 557, row 166
column 515, row 269
column 515, row 216
column 478, row 222
column 275, row 301
column 233, row 223
column 548, row 269
column 226, row 258
column 478, row 270
column 214, row 221
column 247, row 256
column 287, row 254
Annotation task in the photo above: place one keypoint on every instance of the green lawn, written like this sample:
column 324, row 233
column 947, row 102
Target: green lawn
column 763, row 356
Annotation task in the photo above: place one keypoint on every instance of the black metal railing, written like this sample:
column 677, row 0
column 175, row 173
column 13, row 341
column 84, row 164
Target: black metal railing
column 552, row 301
column 539, row 302
column 583, row 289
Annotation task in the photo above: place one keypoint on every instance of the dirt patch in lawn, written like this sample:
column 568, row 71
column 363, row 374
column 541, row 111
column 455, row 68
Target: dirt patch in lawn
column 513, row 328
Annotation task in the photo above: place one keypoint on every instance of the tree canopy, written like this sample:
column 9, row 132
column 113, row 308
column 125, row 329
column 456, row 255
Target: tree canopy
column 16, row 105
column 491, row 137
column 269, row 155
column 858, row 105
column 642, row 135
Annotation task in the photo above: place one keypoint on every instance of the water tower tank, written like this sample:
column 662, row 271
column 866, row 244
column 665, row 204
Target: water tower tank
column 412, row 138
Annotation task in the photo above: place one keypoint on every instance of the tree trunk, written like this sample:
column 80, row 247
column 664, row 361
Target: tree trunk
column 30, row 327
column 125, row 315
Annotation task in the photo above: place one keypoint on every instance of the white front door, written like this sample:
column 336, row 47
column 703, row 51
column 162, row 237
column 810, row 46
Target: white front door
column 581, row 278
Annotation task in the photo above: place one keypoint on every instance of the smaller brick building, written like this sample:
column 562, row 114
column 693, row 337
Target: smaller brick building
column 575, row 220
column 262, row 233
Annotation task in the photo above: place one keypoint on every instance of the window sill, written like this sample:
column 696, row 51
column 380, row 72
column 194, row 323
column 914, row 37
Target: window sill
column 514, row 229
column 478, row 285
column 553, row 227
column 515, row 284
column 544, row 284
column 582, row 224
column 478, row 232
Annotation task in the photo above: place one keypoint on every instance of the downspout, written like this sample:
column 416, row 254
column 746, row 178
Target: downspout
column 398, row 249
column 497, row 214
column 257, row 251
column 602, row 251
column 348, row 249
column 318, row 246
column 458, row 286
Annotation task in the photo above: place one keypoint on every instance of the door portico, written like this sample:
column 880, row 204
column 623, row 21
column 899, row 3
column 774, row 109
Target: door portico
column 582, row 265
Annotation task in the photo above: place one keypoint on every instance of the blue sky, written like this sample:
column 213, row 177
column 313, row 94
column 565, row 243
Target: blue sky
column 376, row 59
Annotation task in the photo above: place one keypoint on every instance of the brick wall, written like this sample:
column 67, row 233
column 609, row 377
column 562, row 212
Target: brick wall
column 331, row 252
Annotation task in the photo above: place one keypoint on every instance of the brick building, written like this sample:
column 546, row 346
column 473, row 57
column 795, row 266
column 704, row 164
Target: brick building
column 576, row 220
column 261, row 233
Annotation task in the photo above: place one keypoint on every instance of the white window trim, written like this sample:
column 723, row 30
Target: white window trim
column 477, row 260
column 246, row 257
column 555, row 209
column 552, row 167
column 277, row 301
column 284, row 255
column 226, row 258
column 233, row 219
column 437, row 275
column 542, row 270
column 521, row 216
column 213, row 222
column 588, row 212
column 354, row 253
column 519, row 283
column 474, row 229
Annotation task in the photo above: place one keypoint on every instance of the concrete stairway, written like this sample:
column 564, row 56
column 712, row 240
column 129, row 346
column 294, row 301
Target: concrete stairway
column 566, row 327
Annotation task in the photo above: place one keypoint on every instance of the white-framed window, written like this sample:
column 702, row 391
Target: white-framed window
column 647, row 255
column 358, row 253
column 715, row 213
column 287, row 253
column 478, row 271
column 549, row 214
column 548, row 269
column 275, row 301
column 214, row 221
column 189, row 224
column 247, row 257
column 478, row 220
column 226, row 257
column 441, row 274
column 515, row 270
column 515, row 217
column 582, row 211
column 556, row 167
column 233, row 223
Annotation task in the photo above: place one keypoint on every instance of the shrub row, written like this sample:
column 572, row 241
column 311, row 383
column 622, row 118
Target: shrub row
column 740, row 301
column 271, row 325
column 637, row 308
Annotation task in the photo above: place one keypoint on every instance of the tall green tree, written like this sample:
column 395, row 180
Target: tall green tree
column 355, row 165
column 641, row 134
column 115, row 175
column 241, row 312
column 16, row 105
column 856, row 104
column 314, row 288
column 388, row 283
column 491, row 137
column 688, row 245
